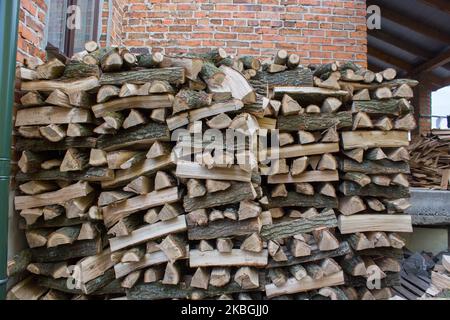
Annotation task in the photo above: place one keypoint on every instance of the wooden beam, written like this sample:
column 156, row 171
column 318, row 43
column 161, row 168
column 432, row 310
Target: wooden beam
column 411, row 23
column 401, row 44
column 442, row 5
column 436, row 62
column 396, row 62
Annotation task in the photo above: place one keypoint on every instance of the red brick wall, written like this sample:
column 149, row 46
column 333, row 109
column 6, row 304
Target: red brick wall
column 422, row 104
column 116, row 29
column 32, row 17
column 318, row 30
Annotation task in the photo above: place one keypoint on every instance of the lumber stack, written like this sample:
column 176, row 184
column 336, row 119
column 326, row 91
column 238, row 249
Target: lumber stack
column 430, row 162
column 208, row 176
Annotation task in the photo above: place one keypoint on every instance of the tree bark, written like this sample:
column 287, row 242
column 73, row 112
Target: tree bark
column 315, row 121
column 223, row 228
column 172, row 75
column 143, row 135
column 238, row 191
column 297, row 77
column 372, row 190
column 374, row 167
column 291, row 228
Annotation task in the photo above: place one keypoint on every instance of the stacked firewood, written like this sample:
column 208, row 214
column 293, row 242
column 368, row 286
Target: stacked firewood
column 374, row 188
column 208, row 176
column 430, row 162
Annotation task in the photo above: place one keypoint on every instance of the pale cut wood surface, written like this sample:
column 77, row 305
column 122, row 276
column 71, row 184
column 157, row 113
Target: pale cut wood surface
column 51, row 115
column 373, row 139
column 307, row 176
column 374, row 222
column 77, row 190
column 149, row 232
column 116, row 211
column 295, row 151
column 196, row 171
column 138, row 102
column 236, row 257
column 150, row 259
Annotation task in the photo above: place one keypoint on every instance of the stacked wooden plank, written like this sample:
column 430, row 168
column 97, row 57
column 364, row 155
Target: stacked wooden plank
column 430, row 162
column 207, row 176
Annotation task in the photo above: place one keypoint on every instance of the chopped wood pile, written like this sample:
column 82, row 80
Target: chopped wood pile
column 127, row 186
column 430, row 162
column 440, row 276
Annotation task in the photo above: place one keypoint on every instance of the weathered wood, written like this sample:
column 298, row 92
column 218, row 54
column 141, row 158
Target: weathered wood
column 264, row 81
column 374, row 167
column 391, row 107
column 224, row 228
column 292, row 227
column 315, row 122
column 39, row 145
column 238, row 191
column 295, row 199
column 372, row 190
column 141, row 136
column 51, row 115
column 78, row 249
column 91, row 174
column 174, row 76
column 293, row 285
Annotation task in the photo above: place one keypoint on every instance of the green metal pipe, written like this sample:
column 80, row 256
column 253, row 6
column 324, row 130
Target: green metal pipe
column 9, row 19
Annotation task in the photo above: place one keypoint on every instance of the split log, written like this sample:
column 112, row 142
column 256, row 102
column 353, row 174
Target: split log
column 236, row 257
column 76, row 190
column 116, row 211
column 224, row 228
column 149, row 232
column 74, row 160
column 386, row 107
column 297, row 226
column 374, row 167
column 306, row 284
column 374, row 222
column 140, row 136
column 315, row 122
column 139, row 102
column 391, row 192
column 67, row 86
column 51, row 115
column 65, row 235
column 174, row 76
